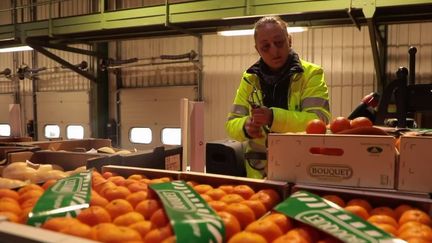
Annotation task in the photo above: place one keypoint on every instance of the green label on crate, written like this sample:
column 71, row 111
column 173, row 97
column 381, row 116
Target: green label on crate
column 190, row 216
column 65, row 198
column 319, row 213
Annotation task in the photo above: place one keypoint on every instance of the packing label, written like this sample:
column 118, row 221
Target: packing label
column 315, row 211
column 190, row 216
column 65, row 198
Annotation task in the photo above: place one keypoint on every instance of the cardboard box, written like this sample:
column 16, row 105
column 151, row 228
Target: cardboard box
column 67, row 160
column 74, row 145
column 415, row 165
column 158, row 158
column 4, row 150
column 348, row 160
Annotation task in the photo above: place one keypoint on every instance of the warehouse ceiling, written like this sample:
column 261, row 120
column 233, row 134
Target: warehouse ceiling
column 197, row 17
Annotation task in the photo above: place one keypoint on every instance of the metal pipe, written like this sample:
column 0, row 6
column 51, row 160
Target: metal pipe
column 412, row 53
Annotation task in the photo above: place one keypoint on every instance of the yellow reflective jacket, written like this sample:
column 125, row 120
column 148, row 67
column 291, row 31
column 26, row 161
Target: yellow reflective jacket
column 307, row 100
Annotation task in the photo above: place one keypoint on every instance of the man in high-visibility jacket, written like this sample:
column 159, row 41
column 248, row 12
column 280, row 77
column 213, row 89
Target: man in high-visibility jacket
column 279, row 93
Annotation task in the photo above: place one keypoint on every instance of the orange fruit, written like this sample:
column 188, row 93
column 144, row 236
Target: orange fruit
column 10, row 206
column 56, row 224
column 300, row 234
column 360, row 202
column 335, row 199
column 411, row 224
column 227, row 188
column 339, row 124
column 243, row 213
column 257, row 207
column 108, row 232
column 383, row 219
column 136, row 177
column 415, row 215
column 361, row 122
column 171, row 239
column 232, row 225
column 24, row 215
column 424, row 233
column 77, row 229
column 383, row 210
column 128, row 219
column 202, row 188
column 47, row 184
column 96, row 200
column 142, row 227
column 12, row 217
column 391, row 229
column 281, row 220
column 399, row 210
column 232, row 198
column 136, row 197
column 243, row 190
column 118, row 180
column 192, row 183
column 217, row 205
column 4, row 192
column 247, row 237
column 107, row 174
column 159, row 218
column 147, row 207
column 316, row 126
column 266, row 228
column 157, row 181
column 268, row 197
column 330, row 239
column 29, row 187
column 30, row 194
column 137, row 186
column 94, row 215
column 215, row 193
column 118, row 207
column 158, row 235
column 115, row 193
column 206, row 197
column 358, row 210
column 100, row 188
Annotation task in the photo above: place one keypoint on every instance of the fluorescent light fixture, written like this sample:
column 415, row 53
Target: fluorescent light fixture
column 15, row 48
column 251, row 31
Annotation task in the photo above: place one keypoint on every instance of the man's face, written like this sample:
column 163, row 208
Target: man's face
column 273, row 45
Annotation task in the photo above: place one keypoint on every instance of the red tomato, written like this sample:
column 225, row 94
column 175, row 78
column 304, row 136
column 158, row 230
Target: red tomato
column 316, row 126
column 361, row 122
column 339, row 124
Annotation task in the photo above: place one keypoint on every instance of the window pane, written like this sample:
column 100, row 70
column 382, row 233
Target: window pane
column 5, row 130
column 75, row 132
column 141, row 135
column 171, row 136
column 52, row 131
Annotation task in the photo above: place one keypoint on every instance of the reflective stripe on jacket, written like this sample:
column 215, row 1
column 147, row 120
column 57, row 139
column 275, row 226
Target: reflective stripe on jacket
column 307, row 99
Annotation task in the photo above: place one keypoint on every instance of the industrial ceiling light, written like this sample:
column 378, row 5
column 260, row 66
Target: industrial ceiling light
column 15, row 48
column 251, row 31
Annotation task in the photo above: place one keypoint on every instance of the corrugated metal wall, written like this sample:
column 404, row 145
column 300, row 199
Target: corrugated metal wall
column 149, row 72
column 400, row 38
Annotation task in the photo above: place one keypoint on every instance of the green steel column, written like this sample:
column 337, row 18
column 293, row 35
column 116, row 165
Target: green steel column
column 99, row 96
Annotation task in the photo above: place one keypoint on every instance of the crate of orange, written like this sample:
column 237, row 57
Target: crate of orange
column 406, row 216
column 336, row 157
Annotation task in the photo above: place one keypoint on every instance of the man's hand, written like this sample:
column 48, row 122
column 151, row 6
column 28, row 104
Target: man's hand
column 253, row 130
column 262, row 116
